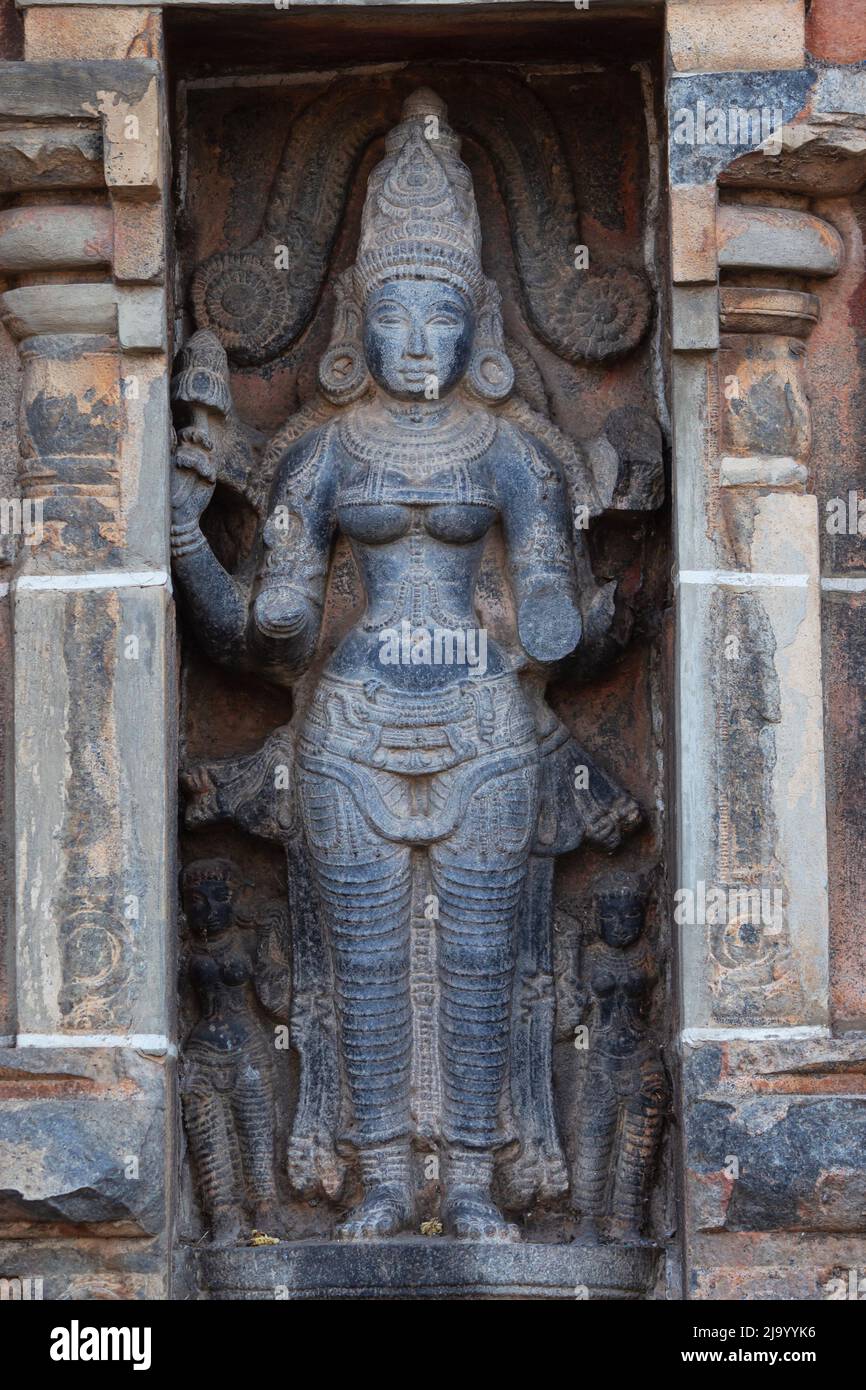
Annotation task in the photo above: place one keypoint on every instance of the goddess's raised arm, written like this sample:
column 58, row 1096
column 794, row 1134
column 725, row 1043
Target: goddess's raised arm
column 215, row 601
column 269, row 619
column 289, row 596
column 537, row 531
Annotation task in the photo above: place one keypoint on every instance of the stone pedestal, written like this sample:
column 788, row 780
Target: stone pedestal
column 432, row 1268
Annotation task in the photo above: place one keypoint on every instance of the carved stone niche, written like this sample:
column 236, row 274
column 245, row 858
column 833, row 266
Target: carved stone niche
column 425, row 1007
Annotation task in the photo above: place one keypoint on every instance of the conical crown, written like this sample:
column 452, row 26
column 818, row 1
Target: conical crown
column 420, row 220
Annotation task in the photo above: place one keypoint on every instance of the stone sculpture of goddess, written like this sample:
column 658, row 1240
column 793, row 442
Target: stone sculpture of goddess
column 426, row 761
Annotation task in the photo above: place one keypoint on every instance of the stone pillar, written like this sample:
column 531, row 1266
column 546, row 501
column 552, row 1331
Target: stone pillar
column 773, row 1119
column 85, row 1077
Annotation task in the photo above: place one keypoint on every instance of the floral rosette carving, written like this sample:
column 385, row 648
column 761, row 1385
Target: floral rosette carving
column 243, row 298
column 608, row 316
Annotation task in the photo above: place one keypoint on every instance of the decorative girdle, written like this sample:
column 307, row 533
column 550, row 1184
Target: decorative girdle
column 421, row 799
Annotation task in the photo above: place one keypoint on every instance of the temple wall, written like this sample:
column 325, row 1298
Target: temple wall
column 136, row 143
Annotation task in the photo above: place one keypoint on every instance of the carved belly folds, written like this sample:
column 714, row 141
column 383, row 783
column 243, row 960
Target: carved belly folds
column 417, row 732
column 363, row 736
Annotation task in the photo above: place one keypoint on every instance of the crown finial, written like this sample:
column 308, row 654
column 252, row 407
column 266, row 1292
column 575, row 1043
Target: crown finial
column 420, row 220
column 423, row 103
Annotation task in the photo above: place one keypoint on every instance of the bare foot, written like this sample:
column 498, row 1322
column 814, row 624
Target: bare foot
column 588, row 1231
column 226, row 1228
column 267, row 1219
column 469, row 1214
column 386, row 1209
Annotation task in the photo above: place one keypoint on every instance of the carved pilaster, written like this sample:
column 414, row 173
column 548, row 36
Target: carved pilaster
column 83, row 265
column 759, row 248
column 82, row 261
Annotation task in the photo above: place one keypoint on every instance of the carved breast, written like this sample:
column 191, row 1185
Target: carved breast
column 379, row 523
column 378, row 504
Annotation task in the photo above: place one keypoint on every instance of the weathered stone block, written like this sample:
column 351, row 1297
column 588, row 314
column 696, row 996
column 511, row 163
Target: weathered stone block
column 50, row 156
column 101, row 31
column 693, row 233
column 695, row 318
column 718, row 35
column 752, row 782
column 775, row 1140
column 776, row 239
column 82, row 1141
column 836, row 31
column 92, row 810
column 32, row 310
column 426, row 1269
column 55, row 238
column 844, row 624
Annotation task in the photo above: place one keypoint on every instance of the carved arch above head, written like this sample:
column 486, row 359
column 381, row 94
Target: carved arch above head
column 259, row 310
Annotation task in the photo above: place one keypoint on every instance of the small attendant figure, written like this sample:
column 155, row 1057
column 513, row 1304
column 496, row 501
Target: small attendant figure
column 625, row 1096
column 226, row 1085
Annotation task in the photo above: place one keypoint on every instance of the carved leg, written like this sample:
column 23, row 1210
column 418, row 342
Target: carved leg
column 364, row 884
column 537, row 1169
column 211, row 1144
column 598, row 1119
column 642, row 1126
column 252, row 1108
column 388, row 1204
column 314, row 1166
column 478, row 889
column 468, row 1210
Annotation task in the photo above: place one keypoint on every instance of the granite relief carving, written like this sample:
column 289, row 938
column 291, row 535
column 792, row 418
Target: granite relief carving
column 424, row 788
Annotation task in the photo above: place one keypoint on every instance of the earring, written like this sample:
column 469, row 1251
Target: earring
column 343, row 373
column 490, row 375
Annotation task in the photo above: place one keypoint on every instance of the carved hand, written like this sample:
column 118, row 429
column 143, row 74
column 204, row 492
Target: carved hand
column 548, row 624
column 199, row 790
column 280, row 611
column 193, row 480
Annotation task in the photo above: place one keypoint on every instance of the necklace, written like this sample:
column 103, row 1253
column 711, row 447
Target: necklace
column 416, row 439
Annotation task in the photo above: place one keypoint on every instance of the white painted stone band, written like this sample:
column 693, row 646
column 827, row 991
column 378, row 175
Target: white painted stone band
column 742, row 579
column 691, row 1036
column 141, row 1042
column 106, row 579
column 844, row 586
